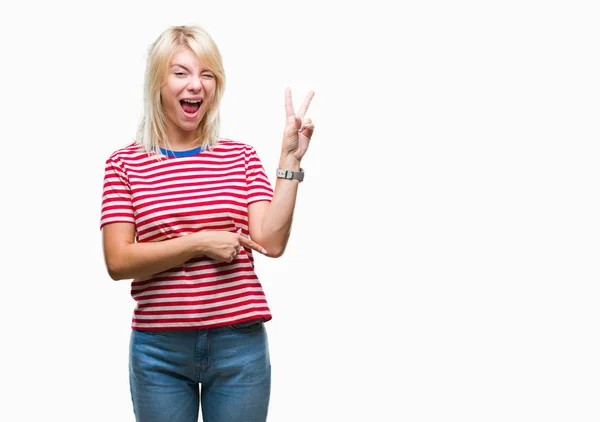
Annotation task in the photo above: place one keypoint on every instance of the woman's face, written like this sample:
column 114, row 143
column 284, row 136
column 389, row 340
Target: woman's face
column 187, row 92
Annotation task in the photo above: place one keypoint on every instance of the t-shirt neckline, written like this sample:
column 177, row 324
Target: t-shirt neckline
column 178, row 154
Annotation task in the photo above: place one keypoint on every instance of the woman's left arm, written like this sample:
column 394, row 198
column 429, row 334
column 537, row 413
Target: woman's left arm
column 270, row 223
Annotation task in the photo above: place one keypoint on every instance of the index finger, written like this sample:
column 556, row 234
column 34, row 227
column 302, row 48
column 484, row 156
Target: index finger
column 252, row 245
column 289, row 107
column 306, row 103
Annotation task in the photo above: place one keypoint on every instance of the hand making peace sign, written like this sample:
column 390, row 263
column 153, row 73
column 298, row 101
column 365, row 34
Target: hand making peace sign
column 298, row 129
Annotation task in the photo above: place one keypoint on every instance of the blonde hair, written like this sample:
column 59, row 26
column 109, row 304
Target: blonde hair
column 152, row 128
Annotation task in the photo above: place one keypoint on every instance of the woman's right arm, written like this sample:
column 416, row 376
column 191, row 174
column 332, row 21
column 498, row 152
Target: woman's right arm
column 127, row 259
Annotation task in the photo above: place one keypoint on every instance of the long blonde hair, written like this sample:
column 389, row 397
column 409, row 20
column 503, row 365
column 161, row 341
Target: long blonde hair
column 152, row 131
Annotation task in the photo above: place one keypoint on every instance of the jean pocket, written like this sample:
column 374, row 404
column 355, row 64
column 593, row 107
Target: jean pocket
column 247, row 326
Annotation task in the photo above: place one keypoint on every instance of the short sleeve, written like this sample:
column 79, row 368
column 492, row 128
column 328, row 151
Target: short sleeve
column 258, row 187
column 117, row 206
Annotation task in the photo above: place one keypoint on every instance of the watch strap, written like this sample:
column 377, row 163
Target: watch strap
column 289, row 174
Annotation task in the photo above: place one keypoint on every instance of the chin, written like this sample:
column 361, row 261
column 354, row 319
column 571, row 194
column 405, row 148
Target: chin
column 187, row 127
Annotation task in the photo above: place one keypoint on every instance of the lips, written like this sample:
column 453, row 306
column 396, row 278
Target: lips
column 190, row 106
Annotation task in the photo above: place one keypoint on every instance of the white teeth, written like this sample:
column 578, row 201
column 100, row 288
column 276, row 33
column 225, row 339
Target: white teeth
column 193, row 101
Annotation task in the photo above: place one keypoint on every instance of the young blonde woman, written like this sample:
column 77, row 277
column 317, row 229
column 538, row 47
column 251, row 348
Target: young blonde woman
column 183, row 211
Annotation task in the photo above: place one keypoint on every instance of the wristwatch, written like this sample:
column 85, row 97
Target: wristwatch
column 289, row 174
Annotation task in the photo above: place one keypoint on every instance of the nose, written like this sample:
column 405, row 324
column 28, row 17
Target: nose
column 195, row 84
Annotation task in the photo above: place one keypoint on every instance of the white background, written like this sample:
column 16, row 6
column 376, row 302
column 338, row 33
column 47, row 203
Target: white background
column 444, row 260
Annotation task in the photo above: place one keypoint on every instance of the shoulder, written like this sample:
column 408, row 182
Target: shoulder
column 128, row 153
column 229, row 146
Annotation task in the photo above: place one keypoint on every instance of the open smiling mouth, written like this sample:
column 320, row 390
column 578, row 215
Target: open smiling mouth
column 190, row 107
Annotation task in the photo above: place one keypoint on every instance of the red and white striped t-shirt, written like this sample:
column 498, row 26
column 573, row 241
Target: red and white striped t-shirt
column 175, row 196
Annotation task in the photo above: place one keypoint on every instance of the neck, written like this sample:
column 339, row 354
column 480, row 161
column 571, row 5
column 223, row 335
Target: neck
column 180, row 140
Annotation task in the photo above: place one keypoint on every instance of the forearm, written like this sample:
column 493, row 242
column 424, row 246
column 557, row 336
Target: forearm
column 277, row 221
column 143, row 259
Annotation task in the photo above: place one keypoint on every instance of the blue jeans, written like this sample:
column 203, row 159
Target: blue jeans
column 231, row 363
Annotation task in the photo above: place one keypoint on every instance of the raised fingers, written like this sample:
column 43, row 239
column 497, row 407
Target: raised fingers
column 289, row 106
column 306, row 104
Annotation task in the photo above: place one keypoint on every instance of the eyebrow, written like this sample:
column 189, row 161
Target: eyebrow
column 179, row 65
column 183, row 67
